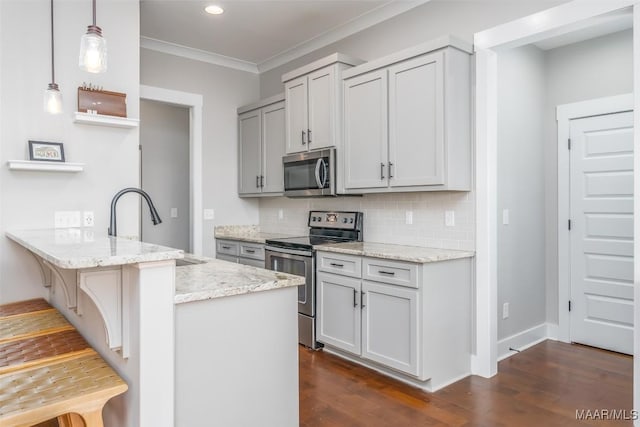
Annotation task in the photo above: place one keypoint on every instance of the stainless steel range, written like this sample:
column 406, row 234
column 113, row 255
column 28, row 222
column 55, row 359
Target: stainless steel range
column 296, row 255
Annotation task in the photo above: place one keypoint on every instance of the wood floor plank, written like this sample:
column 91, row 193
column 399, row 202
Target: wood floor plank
column 543, row 385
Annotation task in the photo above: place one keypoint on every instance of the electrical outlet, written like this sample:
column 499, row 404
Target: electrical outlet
column 209, row 214
column 174, row 212
column 449, row 218
column 505, row 217
column 88, row 219
column 505, row 310
column 280, row 214
column 408, row 217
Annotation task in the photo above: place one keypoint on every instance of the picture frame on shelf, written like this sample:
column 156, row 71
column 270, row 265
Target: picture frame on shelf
column 46, row 151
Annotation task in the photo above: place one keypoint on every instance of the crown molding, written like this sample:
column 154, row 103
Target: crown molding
column 197, row 54
column 362, row 22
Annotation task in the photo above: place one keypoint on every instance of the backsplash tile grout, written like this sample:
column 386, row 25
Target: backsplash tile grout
column 384, row 217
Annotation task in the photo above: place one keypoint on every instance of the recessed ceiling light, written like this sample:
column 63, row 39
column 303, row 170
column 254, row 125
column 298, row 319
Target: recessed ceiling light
column 214, row 10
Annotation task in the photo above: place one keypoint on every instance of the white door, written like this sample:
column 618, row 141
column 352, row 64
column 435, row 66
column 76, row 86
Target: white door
column 249, row 152
column 416, row 121
column 296, row 107
column 273, row 142
column 338, row 311
column 602, row 231
column 365, row 131
column 390, row 326
column 322, row 107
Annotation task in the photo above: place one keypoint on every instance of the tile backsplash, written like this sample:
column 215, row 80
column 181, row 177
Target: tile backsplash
column 384, row 217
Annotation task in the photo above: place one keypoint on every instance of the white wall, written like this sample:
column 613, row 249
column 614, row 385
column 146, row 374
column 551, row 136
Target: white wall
column 587, row 70
column 521, row 179
column 461, row 18
column 223, row 90
column 29, row 199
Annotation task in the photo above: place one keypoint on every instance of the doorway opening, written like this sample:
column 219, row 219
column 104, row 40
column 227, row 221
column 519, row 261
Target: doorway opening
column 163, row 102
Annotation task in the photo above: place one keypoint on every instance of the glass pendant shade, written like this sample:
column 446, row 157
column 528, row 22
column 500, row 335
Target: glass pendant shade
column 93, row 51
column 53, row 99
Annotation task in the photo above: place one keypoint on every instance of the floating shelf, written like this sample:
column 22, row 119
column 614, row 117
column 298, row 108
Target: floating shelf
column 102, row 120
column 29, row 165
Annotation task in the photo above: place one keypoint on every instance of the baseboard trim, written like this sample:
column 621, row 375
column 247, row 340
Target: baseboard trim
column 525, row 339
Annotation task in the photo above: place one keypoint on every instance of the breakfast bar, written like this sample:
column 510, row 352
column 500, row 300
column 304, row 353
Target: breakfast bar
column 187, row 339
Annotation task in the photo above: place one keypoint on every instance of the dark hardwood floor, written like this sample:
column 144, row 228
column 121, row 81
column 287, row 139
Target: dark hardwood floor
column 541, row 386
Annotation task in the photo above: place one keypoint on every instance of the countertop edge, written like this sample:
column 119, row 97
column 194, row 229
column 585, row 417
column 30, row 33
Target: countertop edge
column 455, row 254
column 204, row 295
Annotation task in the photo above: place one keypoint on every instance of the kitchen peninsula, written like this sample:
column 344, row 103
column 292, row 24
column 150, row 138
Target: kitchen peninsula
column 192, row 342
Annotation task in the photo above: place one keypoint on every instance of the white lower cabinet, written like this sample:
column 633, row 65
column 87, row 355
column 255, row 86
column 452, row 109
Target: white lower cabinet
column 390, row 326
column 405, row 319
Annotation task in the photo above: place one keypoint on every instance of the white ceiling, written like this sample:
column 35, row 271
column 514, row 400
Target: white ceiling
column 259, row 31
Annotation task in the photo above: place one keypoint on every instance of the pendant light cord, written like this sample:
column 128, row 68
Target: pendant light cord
column 94, row 13
column 53, row 74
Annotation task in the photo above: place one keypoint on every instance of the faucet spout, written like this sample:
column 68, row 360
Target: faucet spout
column 155, row 218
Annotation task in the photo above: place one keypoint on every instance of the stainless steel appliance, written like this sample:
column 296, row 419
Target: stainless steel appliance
column 296, row 255
column 310, row 174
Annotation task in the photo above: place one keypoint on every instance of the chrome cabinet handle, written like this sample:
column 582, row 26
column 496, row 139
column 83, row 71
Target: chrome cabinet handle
column 257, row 181
column 388, row 273
column 261, row 181
column 390, row 166
column 362, row 300
column 334, row 264
column 250, row 251
column 381, row 170
column 303, row 135
column 355, row 295
column 309, row 135
column 226, row 247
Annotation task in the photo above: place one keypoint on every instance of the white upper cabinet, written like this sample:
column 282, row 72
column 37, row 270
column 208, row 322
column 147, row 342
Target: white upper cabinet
column 313, row 98
column 418, row 136
column 261, row 145
column 365, row 150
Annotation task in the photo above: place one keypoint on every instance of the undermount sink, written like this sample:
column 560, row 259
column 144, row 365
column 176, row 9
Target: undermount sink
column 182, row 262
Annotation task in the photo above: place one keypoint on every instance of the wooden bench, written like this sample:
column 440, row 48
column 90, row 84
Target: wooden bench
column 47, row 370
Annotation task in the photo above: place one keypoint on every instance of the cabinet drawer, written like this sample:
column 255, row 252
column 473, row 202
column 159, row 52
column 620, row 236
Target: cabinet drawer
column 345, row 265
column 393, row 272
column 252, row 262
column 227, row 258
column 252, row 251
column 227, row 247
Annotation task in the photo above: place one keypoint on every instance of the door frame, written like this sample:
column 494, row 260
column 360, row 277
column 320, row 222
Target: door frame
column 539, row 26
column 193, row 102
column 564, row 114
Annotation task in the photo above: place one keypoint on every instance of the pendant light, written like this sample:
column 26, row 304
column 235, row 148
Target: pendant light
column 93, row 48
column 52, row 95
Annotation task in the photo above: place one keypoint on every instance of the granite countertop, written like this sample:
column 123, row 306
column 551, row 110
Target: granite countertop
column 216, row 279
column 245, row 233
column 415, row 254
column 75, row 248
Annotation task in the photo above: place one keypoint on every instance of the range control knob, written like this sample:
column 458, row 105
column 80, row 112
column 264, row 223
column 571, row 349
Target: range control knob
column 345, row 220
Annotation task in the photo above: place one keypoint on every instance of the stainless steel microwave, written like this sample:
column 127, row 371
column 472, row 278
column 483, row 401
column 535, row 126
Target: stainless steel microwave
column 311, row 173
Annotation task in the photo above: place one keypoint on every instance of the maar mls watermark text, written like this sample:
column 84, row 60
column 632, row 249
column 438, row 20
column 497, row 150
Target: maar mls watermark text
column 607, row 414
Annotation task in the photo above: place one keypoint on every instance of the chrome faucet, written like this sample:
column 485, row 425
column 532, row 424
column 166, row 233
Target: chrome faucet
column 155, row 218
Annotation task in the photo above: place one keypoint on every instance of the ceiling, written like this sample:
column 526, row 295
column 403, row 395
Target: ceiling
column 259, row 31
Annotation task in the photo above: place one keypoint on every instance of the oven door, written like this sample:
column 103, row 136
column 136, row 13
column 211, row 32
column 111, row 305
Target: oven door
column 310, row 174
column 299, row 263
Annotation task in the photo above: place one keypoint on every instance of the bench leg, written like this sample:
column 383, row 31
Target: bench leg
column 87, row 419
column 70, row 420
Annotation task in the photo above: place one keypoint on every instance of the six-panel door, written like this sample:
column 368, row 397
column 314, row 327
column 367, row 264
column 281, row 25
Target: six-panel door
column 338, row 311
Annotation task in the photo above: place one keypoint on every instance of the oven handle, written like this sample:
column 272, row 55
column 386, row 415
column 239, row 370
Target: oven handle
column 289, row 253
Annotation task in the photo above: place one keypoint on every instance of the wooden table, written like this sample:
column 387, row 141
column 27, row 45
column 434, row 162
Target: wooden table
column 47, row 369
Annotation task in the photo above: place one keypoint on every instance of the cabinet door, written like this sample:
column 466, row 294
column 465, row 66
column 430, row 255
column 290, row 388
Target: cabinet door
column 390, row 326
column 273, row 142
column 338, row 314
column 322, row 107
column 249, row 142
column 416, row 121
column 295, row 92
column 365, row 131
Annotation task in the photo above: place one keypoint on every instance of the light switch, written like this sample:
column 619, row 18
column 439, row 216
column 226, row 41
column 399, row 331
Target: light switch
column 505, row 217
column 174, row 212
column 209, row 214
column 280, row 214
column 408, row 217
